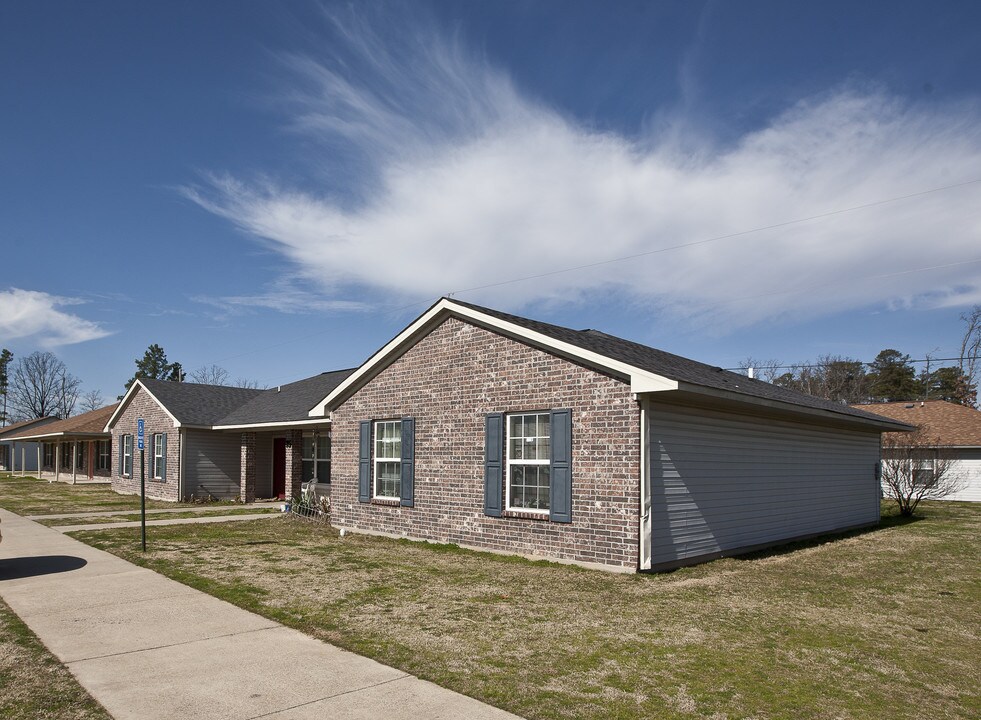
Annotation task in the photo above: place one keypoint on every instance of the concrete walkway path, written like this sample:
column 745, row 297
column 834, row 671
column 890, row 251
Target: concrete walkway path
column 160, row 511
column 165, row 521
column 146, row 646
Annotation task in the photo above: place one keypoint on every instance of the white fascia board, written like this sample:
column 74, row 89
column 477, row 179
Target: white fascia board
column 273, row 425
column 129, row 396
column 883, row 426
column 640, row 380
column 62, row 434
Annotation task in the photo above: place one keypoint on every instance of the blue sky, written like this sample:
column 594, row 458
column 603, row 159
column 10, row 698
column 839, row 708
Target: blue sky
column 279, row 188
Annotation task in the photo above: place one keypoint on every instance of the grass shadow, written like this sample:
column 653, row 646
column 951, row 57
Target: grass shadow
column 887, row 522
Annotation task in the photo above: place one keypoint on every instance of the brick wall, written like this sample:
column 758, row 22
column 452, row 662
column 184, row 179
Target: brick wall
column 155, row 421
column 448, row 382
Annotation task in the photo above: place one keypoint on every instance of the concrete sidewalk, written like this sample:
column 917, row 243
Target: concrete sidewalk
column 166, row 521
column 146, row 646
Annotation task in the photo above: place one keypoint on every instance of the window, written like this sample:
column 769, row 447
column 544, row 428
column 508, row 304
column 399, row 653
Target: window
column 103, row 458
column 159, row 455
column 923, row 473
column 388, row 459
column 81, row 451
column 49, row 454
column 127, row 458
column 316, row 457
column 528, row 471
column 528, row 465
column 66, row 456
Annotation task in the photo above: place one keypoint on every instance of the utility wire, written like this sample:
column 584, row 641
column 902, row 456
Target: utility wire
column 803, row 366
column 832, row 213
column 717, row 238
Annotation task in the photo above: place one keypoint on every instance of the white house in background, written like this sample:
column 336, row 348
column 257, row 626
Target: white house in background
column 20, row 455
column 956, row 427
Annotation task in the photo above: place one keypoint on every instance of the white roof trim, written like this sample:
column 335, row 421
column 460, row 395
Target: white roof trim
column 278, row 424
column 129, row 396
column 640, row 380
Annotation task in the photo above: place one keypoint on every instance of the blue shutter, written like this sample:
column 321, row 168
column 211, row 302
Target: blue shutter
column 493, row 456
column 364, row 463
column 163, row 456
column 560, row 475
column 408, row 461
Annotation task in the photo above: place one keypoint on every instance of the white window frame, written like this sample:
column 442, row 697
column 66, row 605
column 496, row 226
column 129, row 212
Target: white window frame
column 127, row 456
column 377, row 459
column 512, row 462
column 157, row 445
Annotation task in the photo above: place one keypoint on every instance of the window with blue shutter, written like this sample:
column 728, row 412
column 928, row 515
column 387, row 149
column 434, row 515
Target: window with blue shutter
column 408, row 462
column 364, row 462
column 493, row 468
column 560, row 462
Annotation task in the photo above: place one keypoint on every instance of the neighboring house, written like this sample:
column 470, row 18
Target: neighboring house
column 76, row 448
column 492, row 431
column 222, row 442
column 20, row 455
column 958, row 430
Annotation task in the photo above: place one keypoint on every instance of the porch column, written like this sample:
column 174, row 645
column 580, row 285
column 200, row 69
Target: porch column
column 74, row 461
column 38, row 461
column 294, row 463
column 57, row 467
column 23, row 460
column 247, row 468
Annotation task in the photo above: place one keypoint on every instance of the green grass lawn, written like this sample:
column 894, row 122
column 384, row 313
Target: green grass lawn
column 33, row 684
column 876, row 624
column 30, row 496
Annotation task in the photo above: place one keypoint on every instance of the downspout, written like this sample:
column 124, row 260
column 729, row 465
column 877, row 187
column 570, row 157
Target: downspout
column 644, row 529
column 180, row 464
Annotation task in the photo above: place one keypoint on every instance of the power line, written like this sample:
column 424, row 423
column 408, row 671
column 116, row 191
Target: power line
column 803, row 366
column 832, row 213
column 717, row 238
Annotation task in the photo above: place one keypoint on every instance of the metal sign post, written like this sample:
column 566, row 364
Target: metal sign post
column 140, row 445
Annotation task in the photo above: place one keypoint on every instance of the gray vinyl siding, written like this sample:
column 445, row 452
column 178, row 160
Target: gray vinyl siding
column 722, row 482
column 212, row 463
column 263, row 465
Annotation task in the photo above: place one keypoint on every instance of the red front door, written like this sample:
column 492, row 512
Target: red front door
column 279, row 467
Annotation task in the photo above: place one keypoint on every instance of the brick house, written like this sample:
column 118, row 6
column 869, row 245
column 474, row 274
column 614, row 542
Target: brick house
column 957, row 431
column 71, row 450
column 222, row 442
column 496, row 432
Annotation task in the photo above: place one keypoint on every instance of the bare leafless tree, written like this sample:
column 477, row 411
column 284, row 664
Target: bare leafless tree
column 210, row 375
column 765, row 370
column 250, row 384
column 916, row 466
column 971, row 345
column 40, row 385
column 92, row 400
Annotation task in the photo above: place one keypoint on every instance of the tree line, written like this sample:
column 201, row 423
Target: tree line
column 40, row 385
column 890, row 377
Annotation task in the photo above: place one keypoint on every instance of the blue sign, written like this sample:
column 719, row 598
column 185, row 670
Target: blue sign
column 139, row 434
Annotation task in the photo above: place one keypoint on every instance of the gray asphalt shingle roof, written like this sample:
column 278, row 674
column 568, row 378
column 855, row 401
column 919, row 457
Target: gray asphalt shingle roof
column 286, row 403
column 672, row 366
column 195, row 404
column 217, row 405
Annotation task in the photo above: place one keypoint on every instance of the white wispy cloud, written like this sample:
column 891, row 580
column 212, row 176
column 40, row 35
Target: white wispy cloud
column 34, row 314
column 468, row 182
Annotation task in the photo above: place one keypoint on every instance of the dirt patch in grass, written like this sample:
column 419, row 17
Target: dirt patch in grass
column 885, row 623
column 33, row 684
